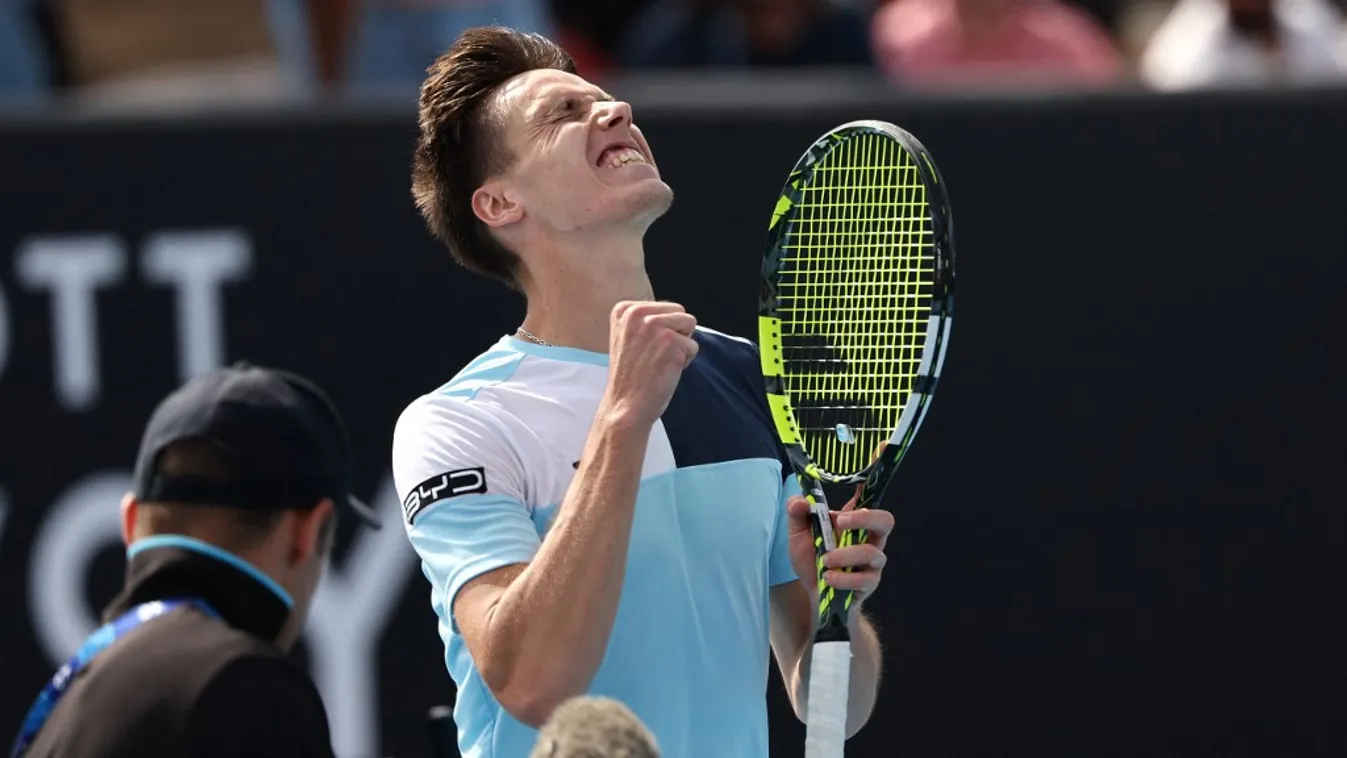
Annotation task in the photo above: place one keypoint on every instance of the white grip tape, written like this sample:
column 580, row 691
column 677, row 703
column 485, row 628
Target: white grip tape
column 826, row 714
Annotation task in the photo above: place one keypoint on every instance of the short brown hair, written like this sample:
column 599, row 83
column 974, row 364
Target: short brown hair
column 459, row 148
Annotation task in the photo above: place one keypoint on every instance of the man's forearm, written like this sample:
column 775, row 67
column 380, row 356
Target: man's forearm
column 867, row 661
column 554, row 621
column 866, row 664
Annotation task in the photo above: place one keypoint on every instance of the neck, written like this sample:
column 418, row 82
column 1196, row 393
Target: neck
column 175, row 565
column 572, row 294
column 242, row 562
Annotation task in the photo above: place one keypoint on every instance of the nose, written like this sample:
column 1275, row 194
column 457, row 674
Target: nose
column 614, row 114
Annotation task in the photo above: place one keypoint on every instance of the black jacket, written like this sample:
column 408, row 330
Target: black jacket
column 186, row 684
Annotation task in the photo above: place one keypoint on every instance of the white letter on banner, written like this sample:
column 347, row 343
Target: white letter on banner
column 83, row 521
column 350, row 612
column 72, row 268
column 197, row 264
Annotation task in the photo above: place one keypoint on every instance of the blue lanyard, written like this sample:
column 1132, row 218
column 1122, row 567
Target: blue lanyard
column 99, row 641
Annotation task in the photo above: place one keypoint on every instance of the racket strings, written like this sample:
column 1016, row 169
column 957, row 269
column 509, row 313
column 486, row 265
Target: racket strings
column 855, row 293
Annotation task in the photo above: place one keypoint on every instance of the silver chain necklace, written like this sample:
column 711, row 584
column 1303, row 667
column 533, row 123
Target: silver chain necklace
column 526, row 334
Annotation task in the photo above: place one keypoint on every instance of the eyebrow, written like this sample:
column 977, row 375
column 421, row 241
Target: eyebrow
column 552, row 102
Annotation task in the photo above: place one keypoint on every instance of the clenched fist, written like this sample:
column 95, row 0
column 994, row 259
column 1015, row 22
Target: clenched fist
column 649, row 345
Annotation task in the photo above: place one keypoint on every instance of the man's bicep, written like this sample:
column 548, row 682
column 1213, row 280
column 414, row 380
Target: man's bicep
column 445, row 449
column 462, row 485
column 466, row 541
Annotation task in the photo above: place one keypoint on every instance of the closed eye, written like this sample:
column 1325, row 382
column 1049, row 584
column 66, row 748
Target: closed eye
column 572, row 106
column 567, row 108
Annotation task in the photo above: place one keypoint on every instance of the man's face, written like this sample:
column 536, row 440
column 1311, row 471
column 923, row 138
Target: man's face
column 579, row 163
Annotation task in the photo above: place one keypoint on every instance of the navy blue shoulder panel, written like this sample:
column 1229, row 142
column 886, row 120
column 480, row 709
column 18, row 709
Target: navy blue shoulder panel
column 719, row 411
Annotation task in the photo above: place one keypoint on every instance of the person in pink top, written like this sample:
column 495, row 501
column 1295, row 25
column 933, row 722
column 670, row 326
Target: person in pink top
column 980, row 41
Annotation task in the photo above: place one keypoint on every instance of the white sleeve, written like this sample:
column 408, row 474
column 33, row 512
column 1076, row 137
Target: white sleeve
column 461, row 483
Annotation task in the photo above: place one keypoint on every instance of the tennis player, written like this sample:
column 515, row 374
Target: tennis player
column 599, row 500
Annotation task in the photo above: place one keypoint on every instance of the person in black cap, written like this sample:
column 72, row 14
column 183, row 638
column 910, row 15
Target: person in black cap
column 241, row 475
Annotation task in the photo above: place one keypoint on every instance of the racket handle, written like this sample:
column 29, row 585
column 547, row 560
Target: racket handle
column 829, row 688
column 443, row 733
column 823, row 523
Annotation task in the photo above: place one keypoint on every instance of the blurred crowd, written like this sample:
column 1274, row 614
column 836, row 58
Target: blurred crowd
column 213, row 49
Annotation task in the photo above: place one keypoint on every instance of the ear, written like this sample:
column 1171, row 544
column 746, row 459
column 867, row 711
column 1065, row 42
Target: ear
column 495, row 205
column 130, row 507
column 307, row 532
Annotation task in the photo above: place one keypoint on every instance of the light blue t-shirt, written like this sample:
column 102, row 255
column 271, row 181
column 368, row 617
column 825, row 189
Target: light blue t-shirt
column 481, row 466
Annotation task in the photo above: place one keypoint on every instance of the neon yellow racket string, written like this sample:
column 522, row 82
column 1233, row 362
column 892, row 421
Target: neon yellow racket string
column 855, row 294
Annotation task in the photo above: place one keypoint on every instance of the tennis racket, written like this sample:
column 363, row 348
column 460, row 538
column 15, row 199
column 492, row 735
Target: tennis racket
column 854, row 318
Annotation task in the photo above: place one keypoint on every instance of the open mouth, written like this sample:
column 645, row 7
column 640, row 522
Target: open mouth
column 617, row 156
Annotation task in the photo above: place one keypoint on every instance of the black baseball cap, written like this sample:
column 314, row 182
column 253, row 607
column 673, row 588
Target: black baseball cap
column 282, row 437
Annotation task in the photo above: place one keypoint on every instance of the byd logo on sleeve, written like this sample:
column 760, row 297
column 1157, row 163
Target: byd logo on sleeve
column 452, row 484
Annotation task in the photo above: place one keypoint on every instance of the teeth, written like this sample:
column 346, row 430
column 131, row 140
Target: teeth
column 625, row 156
